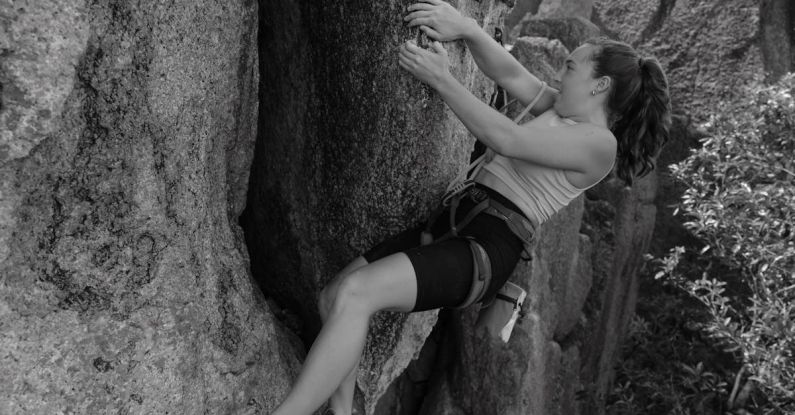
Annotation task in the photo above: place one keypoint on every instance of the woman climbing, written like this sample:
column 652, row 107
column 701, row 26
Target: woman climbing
column 609, row 106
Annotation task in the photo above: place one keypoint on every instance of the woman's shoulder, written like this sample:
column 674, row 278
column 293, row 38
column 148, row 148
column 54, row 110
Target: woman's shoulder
column 600, row 138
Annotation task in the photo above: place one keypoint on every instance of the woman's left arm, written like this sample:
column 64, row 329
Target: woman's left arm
column 582, row 148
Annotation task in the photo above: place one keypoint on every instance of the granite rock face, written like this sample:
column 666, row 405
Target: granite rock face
column 351, row 149
column 709, row 49
column 126, row 137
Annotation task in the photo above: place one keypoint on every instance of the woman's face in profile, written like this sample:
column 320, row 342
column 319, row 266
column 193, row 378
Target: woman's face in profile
column 575, row 81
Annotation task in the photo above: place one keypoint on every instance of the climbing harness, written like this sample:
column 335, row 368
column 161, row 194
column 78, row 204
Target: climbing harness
column 464, row 186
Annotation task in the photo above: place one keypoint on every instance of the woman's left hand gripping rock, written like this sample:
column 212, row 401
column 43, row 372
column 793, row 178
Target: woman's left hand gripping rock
column 439, row 20
column 430, row 66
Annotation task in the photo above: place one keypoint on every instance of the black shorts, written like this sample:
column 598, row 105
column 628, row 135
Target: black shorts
column 444, row 269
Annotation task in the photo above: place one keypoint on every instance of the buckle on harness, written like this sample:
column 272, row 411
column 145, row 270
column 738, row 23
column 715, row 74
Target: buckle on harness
column 477, row 195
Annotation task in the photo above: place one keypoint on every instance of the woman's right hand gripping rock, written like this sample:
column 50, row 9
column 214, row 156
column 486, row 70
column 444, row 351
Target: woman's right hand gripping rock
column 439, row 20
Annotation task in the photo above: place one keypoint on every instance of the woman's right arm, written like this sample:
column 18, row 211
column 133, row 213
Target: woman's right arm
column 441, row 21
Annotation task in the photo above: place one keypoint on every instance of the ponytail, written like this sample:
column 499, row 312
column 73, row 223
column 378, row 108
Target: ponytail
column 638, row 105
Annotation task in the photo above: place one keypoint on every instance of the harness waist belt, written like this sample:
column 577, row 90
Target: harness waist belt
column 519, row 225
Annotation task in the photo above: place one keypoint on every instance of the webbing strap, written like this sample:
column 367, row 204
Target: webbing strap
column 514, row 301
column 454, row 228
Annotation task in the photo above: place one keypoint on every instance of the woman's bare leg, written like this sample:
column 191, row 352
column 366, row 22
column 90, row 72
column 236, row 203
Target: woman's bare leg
column 341, row 400
column 388, row 283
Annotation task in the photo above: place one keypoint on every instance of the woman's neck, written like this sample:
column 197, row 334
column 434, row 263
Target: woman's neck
column 586, row 112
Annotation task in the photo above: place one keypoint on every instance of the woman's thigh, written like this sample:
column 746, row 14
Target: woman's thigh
column 422, row 278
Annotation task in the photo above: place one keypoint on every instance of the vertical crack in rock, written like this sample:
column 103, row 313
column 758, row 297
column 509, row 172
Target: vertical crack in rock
column 229, row 335
column 351, row 149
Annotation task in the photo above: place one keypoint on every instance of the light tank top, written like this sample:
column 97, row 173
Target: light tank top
column 542, row 190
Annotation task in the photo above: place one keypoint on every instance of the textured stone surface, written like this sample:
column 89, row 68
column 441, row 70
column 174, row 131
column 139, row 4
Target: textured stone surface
column 351, row 150
column 127, row 131
column 777, row 24
column 541, row 56
column 520, row 9
column 709, row 49
column 565, row 8
column 572, row 291
column 571, row 31
column 620, row 223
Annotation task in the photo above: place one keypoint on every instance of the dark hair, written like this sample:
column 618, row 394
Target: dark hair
column 639, row 107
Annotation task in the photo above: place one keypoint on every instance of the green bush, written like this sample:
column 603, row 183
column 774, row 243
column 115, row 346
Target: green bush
column 740, row 203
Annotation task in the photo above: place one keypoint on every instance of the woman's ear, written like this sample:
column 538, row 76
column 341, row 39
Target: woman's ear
column 603, row 84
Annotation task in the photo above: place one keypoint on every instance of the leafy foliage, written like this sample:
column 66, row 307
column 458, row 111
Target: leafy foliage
column 740, row 203
column 668, row 366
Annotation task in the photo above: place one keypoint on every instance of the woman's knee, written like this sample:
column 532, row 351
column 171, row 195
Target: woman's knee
column 329, row 292
column 352, row 292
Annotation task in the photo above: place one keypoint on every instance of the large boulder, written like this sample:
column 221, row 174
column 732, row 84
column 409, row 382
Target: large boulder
column 520, row 9
column 127, row 136
column 571, row 31
column 351, row 150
